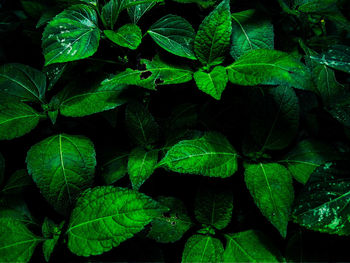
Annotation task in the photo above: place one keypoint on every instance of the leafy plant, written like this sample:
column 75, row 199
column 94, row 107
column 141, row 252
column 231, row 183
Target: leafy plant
column 112, row 150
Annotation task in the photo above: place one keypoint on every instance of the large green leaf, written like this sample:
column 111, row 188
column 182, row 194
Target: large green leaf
column 17, row 243
column 137, row 11
column 211, row 155
column 307, row 156
column 250, row 246
column 212, row 83
column 337, row 57
column 174, row 34
column 270, row 185
column 270, row 67
column 141, row 165
column 213, row 37
column 128, row 35
column 250, row 32
column 173, row 225
column 142, row 127
column 82, row 101
column 62, row 166
column 324, row 203
column 214, row 206
column 110, row 12
column 16, row 119
column 24, row 82
column 275, row 118
column 71, row 35
column 106, row 216
column 202, row 248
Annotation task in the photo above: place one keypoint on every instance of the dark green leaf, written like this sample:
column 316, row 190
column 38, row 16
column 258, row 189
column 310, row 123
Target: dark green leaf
column 17, row 182
column 270, row 185
column 311, row 6
column 62, row 166
column 213, row 37
column 129, row 36
column 71, row 35
column 114, row 168
column 2, row 168
column 110, row 12
column 174, row 34
column 52, row 233
column 137, row 11
column 106, row 216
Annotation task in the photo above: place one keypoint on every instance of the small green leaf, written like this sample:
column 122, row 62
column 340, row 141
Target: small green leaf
column 213, row 37
column 17, row 243
column 270, row 185
column 141, row 166
column 323, row 204
column 311, row 6
column 106, row 216
column 17, row 182
column 52, row 233
column 172, row 226
column 129, row 36
column 137, row 11
column 16, row 119
column 23, row 82
column 213, row 83
column 141, row 125
column 214, row 207
column 250, row 246
column 202, row 248
column 71, row 35
column 114, row 168
column 250, row 32
column 175, row 34
column 211, row 155
column 53, row 73
column 269, row 67
column 62, row 166
column 337, row 57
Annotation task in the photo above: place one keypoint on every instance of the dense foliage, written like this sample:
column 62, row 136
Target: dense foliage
column 174, row 130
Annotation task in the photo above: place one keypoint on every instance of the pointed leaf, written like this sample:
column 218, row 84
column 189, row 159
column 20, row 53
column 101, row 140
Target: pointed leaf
column 137, row 11
column 129, row 36
column 17, row 182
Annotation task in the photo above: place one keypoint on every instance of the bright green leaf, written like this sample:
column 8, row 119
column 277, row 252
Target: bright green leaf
column 71, row 35
column 269, row 67
column 141, row 166
column 62, row 166
column 270, row 185
column 129, row 36
column 106, row 216
column 174, row 34
column 213, row 37
column 202, row 248
column 211, row 155
column 213, row 83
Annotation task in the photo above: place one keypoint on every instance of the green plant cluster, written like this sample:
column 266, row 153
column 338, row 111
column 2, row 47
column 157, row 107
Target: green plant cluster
column 247, row 105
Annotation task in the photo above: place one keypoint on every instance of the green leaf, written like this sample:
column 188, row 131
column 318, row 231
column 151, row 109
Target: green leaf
column 214, row 206
column 337, row 57
column 250, row 246
column 106, row 216
column 110, row 12
column 323, row 204
column 312, row 6
column 2, row 168
column 213, row 37
column 78, row 102
column 137, row 11
column 129, row 36
column 114, row 168
column 141, row 166
column 202, row 248
column 16, row 119
column 16, row 209
column 52, row 233
column 213, row 83
column 62, row 166
column 211, row 155
column 53, row 73
column 71, row 35
column 17, row 182
column 250, row 32
column 141, row 126
column 170, row 227
column 275, row 118
column 175, row 34
column 201, row 3
column 307, row 156
column 24, row 82
column 269, row 67
column 17, row 243
column 270, row 185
